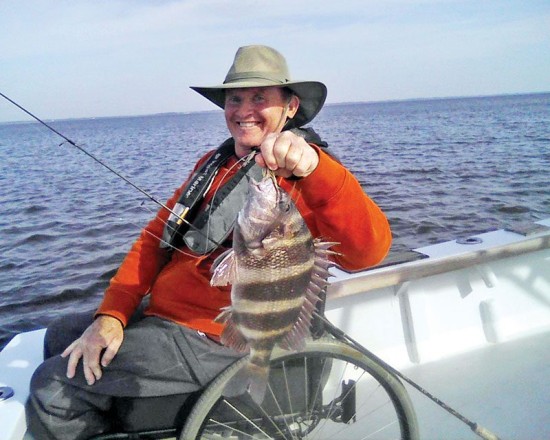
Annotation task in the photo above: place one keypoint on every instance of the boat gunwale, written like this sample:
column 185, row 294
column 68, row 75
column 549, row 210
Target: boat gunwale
column 350, row 283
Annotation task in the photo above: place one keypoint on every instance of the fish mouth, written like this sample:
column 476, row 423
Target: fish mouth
column 260, row 185
column 256, row 248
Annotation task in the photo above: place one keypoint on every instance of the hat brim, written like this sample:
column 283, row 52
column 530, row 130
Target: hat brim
column 312, row 96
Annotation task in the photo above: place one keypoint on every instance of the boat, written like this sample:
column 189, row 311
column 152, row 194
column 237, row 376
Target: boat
column 467, row 319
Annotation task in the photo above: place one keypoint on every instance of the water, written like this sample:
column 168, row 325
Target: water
column 440, row 169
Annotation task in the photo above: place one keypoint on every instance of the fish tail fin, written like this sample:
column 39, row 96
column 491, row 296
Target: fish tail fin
column 251, row 378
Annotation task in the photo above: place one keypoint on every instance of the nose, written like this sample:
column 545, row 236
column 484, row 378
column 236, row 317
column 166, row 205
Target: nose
column 245, row 108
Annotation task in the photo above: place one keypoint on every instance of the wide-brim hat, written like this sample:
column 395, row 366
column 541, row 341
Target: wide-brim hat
column 262, row 66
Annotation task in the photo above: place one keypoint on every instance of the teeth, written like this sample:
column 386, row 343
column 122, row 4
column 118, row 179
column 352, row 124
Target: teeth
column 247, row 124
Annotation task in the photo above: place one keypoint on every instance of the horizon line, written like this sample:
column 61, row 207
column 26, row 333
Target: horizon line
column 381, row 101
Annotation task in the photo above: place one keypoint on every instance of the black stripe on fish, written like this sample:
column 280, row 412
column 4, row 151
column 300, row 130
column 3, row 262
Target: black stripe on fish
column 255, row 307
column 260, row 292
column 284, row 256
column 268, row 321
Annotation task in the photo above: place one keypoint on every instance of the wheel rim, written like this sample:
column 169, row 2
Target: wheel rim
column 353, row 399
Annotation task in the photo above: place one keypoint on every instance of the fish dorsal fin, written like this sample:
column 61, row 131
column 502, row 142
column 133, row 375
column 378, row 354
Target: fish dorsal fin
column 295, row 339
column 224, row 269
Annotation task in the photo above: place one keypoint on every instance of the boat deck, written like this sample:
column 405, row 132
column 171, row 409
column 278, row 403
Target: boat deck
column 503, row 387
column 470, row 324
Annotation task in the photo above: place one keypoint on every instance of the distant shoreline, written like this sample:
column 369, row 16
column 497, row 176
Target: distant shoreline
column 331, row 104
column 440, row 98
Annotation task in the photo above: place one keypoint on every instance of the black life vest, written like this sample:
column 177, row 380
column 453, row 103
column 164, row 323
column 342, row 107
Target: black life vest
column 212, row 224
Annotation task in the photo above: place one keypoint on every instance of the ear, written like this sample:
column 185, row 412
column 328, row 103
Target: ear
column 293, row 106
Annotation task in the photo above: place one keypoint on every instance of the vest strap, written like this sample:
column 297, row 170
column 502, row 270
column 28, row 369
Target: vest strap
column 189, row 201
column 216, row 220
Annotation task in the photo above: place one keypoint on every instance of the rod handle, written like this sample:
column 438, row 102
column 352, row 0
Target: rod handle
column 484, row 433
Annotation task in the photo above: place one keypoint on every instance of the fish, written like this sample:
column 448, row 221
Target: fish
column 277, row 272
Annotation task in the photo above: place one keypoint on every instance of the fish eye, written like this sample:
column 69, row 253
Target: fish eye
column 284, row 206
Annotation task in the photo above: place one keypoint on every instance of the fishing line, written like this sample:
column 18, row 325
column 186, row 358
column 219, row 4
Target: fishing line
column 102, row 163
column 245, row 160
column 166, row 224
column 339, row 334
column 164, row 241
column 74, row 144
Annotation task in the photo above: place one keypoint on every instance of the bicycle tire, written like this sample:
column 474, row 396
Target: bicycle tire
column 393, row 415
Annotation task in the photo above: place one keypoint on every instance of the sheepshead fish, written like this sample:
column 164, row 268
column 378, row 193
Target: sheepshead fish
column 277, row 271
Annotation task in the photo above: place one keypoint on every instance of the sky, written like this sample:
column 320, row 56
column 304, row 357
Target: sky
column 76, row 58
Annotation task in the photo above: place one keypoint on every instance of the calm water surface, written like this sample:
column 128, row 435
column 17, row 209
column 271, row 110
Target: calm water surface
column 440, row 169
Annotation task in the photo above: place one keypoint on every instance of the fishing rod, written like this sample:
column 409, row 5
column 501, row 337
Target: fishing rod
column 102, row 163
column 74, row 144
column 482, row 432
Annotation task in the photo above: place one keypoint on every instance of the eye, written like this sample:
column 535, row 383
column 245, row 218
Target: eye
column 232, row 100
column 258, row 99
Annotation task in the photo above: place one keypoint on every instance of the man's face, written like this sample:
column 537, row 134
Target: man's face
column 252, row 114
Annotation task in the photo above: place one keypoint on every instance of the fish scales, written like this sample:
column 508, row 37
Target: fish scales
column 277, row 271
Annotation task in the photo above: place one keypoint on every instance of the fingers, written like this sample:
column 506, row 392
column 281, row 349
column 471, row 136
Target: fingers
column 110, row 352
column 90, row 360
column 105, row 333
column 74, row 353
column 288, row 154
column 69, row 349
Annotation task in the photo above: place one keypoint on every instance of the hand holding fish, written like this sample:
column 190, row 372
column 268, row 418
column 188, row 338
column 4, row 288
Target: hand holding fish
column 106, row 333
column 287, row 154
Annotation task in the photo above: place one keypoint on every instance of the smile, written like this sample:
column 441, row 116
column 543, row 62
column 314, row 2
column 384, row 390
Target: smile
column 247, row 124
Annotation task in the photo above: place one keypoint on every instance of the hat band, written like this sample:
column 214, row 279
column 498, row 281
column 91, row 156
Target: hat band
column 236, row 77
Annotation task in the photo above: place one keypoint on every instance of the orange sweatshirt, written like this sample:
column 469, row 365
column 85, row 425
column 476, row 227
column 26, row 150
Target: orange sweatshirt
column 333, row 205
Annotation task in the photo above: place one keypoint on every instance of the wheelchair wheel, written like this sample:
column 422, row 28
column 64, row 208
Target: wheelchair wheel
column 327, row 391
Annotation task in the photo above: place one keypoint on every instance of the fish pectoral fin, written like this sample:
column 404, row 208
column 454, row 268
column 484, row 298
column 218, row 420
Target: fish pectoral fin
column 224, row 269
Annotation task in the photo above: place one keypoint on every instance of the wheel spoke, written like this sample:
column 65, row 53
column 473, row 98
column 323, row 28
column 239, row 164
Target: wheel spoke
column 327, row 391
column 280, row 411
column 245, row 418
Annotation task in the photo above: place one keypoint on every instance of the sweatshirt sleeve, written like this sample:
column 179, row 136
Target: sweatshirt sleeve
column 340, row 211
column 141, row 265
column 138, row 270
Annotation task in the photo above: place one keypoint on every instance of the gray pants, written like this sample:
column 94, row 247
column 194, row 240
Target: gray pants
column 157, row 358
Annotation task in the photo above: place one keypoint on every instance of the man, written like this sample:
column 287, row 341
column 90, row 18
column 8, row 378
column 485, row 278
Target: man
column 172, row 348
